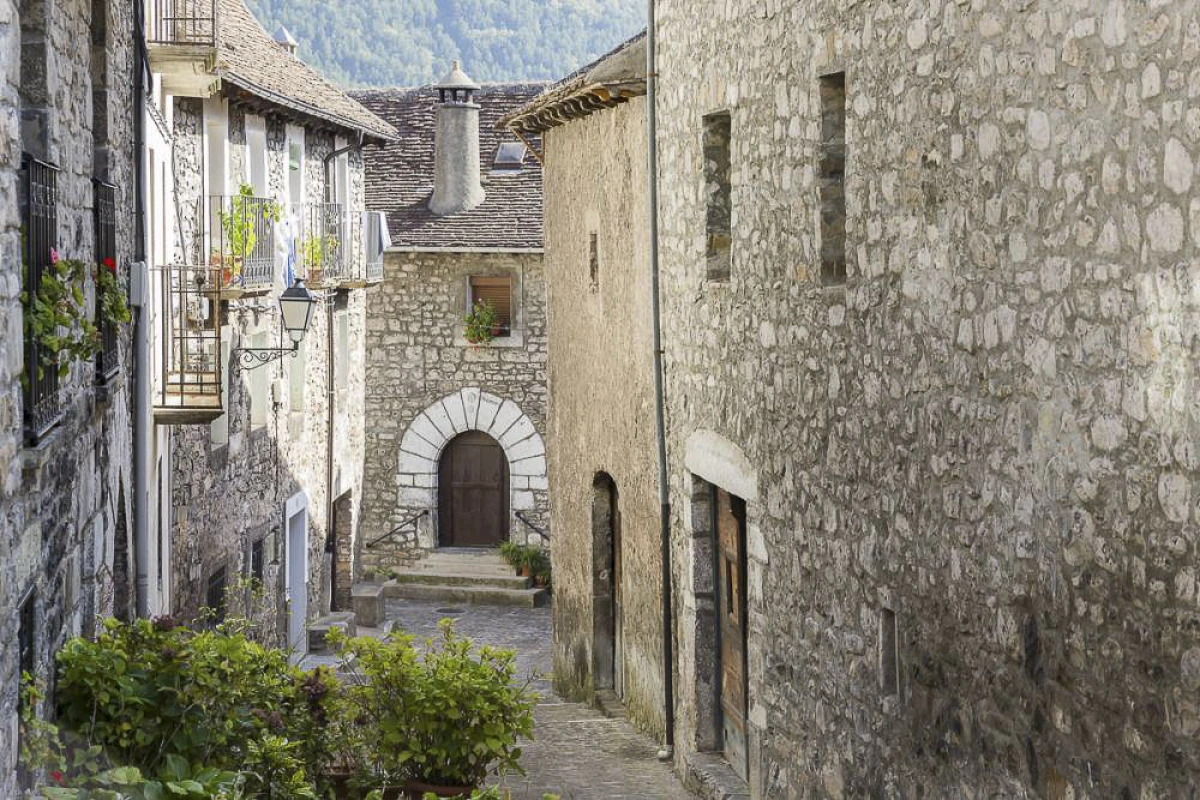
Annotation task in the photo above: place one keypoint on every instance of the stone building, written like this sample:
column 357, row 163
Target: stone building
column 67, row 184
column 454, row 453
column 601, row 445
column 259, row 440
column 930, row 311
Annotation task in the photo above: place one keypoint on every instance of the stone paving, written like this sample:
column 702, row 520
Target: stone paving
column 578, row 753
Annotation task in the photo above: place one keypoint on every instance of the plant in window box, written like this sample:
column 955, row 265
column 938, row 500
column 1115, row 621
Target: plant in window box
column 239, row 227
column 56, row 318
column 482, row 324
column 114, row 310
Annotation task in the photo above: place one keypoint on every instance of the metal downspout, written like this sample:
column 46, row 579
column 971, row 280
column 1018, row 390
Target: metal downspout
column 664, row 491
column 141, row 333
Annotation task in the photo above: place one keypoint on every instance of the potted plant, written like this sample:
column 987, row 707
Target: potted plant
column 437, row 719
column 482, row 324
column 239, row 231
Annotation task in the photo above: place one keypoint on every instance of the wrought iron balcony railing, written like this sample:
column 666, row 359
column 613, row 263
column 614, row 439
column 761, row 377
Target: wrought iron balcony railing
column 182, row 22
column 107, row 362
column 240, row 240
column 43, row 400
column 323, row 250
column 190, row 369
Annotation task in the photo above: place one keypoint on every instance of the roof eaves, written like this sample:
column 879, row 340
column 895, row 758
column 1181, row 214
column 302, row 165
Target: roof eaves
column 300, row 106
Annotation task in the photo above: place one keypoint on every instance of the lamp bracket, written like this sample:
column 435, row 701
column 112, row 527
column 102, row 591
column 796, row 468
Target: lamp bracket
column 248, row 358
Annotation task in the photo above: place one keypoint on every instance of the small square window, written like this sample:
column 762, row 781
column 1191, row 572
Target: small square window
column 256, row 562
column 496, row 292
column 510, row 156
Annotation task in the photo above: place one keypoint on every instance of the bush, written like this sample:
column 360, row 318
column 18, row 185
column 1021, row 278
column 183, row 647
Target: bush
column 152, row 690
column 445, row 714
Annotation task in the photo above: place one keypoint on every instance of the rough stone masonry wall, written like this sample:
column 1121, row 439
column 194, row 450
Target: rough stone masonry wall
column 416, row 357
column 601, row 402
column 990, row 429
column 230, row 495
column 59, row 500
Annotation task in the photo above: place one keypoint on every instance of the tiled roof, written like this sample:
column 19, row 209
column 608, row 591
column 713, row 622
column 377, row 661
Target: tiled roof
column 249, row 59
column 610, row 80
column 400, row 177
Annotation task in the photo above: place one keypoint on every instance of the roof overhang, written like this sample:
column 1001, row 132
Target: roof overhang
column 249, row 93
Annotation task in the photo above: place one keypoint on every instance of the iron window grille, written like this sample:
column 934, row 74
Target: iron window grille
column 107, row 362
column 43, row 402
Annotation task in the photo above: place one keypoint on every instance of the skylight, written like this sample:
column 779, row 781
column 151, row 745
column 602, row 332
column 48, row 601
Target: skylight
column 510, row 156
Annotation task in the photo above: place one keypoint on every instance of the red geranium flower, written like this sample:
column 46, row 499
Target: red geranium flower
column 53, row 255
column 112, row 265
column 57, row 776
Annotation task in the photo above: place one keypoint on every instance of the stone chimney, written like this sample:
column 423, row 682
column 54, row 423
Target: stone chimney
column 283, row 37
column 456, row 184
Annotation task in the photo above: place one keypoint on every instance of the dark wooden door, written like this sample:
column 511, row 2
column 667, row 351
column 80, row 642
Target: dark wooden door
column 731, row 589
column 473, row 493
column 618, row 611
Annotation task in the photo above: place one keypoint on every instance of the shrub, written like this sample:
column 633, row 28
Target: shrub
column 445, row 714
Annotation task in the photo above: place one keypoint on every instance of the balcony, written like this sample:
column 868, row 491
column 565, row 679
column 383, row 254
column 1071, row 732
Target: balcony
column 181, row 36
column 322, row 252
column 190, row 369
column 240, row 242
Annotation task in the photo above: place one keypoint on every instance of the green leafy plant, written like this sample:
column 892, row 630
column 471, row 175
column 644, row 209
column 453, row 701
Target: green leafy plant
column 56, row 318
column 153, row 689
column 481, row 324
column 445, row 713
column 530, row 561
column 238, row 225
column 114, row 310
column 315, row 250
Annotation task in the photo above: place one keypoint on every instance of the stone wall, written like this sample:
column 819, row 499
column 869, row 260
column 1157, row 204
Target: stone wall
column 65, row 497
column 987, row 431
column 601, row 406
column 230, row 492
column 425, row 384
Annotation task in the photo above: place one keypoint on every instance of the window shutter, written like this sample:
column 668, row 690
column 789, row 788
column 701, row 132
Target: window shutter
column 497, row 292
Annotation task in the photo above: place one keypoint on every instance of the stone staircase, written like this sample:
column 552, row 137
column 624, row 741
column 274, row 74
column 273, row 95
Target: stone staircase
column 471, row 576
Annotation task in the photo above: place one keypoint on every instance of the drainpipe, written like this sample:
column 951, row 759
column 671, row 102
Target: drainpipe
column 331, row 392
column 141, row 334
column 664, row 492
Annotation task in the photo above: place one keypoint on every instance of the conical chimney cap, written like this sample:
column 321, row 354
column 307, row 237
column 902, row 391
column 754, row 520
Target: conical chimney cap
column 283, row 37
column 457, row 79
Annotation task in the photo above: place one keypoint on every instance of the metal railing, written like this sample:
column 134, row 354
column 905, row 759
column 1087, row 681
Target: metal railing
column 323, row 252
column 410, row 521
column 190, row 377
column 181, row 22
column 529, row 524
column 107, row 362
column 241, row 240
column 43, row 402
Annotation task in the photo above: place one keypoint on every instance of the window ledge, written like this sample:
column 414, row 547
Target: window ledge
column 513, row 341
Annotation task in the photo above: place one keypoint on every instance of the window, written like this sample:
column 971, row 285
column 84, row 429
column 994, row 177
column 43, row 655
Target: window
column 341, row 353
column 43, row 408
column 510, row 156
column 214, row 597
column 256, row 156
column 27, row 634
column 594, row 261
column 106, row 248
column 498, row 293
column 219, row 429
column 889, row 668
column 256, row 562
column 718, row 191
column 295, row 169
column 831, row 178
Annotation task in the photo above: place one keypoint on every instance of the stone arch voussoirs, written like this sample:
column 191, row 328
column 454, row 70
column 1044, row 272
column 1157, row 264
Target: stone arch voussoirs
column 457, row 413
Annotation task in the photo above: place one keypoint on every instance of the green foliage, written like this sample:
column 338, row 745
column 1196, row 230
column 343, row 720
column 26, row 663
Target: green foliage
column 315, row 249
column 444, row 713
column 113, row 307
column 385, row 43
column 151, row 690
column 534, row 560
column 57, row 319
column 481, row 323
column 238, row 226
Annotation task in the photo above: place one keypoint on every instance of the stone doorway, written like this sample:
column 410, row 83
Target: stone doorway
column 473, row 492
column 729, row 514
column 607, row 615
column 341, row 571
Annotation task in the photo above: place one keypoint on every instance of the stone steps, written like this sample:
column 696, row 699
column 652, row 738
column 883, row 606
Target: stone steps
column 465, row 576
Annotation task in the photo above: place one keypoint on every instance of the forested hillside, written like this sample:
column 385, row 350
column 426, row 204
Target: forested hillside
column 411, row 42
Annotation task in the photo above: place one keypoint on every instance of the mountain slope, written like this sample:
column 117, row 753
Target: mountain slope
column 411, row 42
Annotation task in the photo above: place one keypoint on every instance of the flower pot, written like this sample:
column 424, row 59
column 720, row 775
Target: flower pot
column 416, row 790
column 526, row 572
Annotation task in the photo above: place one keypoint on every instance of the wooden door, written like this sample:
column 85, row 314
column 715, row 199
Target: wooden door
column 731, row 590
column 473, row 492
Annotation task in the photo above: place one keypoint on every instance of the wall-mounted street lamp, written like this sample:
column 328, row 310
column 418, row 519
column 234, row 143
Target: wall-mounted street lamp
column 296, row 306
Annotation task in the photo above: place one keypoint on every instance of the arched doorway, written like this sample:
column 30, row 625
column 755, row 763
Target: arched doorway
column 606, row 587
column 472, row 492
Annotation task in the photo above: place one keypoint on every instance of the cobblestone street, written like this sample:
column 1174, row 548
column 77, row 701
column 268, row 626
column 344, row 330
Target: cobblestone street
column 578, row 753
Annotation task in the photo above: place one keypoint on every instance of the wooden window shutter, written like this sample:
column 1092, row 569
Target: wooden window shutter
column 497, row 292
